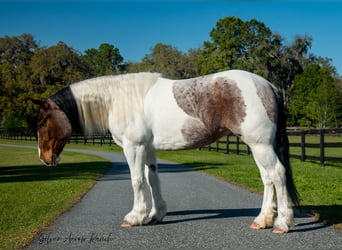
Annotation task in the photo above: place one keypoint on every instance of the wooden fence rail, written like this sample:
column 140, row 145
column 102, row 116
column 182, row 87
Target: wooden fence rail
column 298, row 150
column 313, row 144
column 75, row 138
column 322, row 145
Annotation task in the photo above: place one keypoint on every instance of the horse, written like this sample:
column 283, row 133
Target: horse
column 145, row 112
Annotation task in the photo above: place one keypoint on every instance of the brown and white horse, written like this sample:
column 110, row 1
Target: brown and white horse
column 145, row 112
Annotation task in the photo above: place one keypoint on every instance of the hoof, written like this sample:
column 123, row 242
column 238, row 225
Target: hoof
column 126, row 224
column 256, row 226
column 152, row 221
column 278, row 230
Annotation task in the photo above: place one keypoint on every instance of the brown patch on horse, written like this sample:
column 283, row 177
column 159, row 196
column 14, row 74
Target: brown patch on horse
column 54, row 129
column 268, row 99
column 215, row 105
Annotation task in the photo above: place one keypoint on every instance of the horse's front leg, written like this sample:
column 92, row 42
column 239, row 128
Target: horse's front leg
column 135, row 155
column 158, row 210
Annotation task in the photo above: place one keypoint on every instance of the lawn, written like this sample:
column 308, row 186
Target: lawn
column 33, row 195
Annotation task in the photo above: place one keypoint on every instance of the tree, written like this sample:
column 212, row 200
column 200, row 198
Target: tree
column 164, row 59
column 26, row 70
column 316, row 99
column 292, row 60
column 52, row 69
column 169, row 61
column 252, row 46
column 56, row 67
column 15, row 57
column 234, row 45
column 190, row 63
column 104, row 60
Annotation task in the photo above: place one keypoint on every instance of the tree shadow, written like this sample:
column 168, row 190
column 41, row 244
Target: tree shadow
column 209, row 214
column 326, row 214
column 186, row 167
column 205, row 214
column 118, row 171
column 30, row 173
column 84, row 170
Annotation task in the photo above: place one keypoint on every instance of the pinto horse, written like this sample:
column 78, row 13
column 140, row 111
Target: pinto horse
column 145, row 112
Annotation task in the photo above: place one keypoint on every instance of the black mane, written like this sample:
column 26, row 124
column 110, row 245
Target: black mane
column 66, row 101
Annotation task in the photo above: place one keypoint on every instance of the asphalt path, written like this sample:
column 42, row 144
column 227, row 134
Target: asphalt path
column 203, row 212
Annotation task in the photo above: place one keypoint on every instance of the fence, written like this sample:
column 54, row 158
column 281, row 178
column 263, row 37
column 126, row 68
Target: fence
column 328, row 150
column 75, row 138
column 94, row 139
column 322, row 145
column 302, row 145
column 18, row 137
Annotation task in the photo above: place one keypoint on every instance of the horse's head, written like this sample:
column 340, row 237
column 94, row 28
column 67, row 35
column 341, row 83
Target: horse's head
column 53, row 131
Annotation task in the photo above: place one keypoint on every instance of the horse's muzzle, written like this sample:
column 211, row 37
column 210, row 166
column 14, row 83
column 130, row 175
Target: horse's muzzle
column 51, row 162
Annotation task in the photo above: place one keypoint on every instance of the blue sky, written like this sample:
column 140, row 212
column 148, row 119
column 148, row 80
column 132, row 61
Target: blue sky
column 136, row 26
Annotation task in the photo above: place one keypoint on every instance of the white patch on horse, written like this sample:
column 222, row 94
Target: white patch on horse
column 164, row 116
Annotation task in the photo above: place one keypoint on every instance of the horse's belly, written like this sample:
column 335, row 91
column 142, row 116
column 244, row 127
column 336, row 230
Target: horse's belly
column 192, row 134
column 166, row 127
column 169, row 141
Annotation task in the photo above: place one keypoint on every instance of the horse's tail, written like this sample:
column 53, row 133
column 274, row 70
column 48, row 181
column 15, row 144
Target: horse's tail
column 281, row 147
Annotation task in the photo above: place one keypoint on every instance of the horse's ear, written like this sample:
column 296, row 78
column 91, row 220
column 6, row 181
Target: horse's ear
column 43, row 104
column 37, row 102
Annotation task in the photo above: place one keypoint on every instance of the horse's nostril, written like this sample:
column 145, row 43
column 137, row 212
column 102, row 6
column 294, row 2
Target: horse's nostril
column 45, row 162
column 48, row 163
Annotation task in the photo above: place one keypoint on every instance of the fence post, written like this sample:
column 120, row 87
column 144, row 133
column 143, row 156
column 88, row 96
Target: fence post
column 237, row 145
column 302, row 144
column 248, row 150
column 321, row 147
column 227, row 144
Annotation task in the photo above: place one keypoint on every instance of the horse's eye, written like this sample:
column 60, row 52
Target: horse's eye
column 42, row 125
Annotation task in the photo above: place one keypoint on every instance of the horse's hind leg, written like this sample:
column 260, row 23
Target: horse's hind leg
column 272, row 172
column 265, row 219
column 158, row 210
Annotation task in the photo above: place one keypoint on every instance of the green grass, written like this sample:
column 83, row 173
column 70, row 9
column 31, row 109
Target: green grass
column 33, row 195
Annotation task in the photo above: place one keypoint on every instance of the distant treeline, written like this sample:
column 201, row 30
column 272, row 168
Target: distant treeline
column 311, row 88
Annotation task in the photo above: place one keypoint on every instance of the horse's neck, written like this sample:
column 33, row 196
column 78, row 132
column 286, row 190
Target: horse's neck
column 118, row 96
column 67, row 102
column 93, row 105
